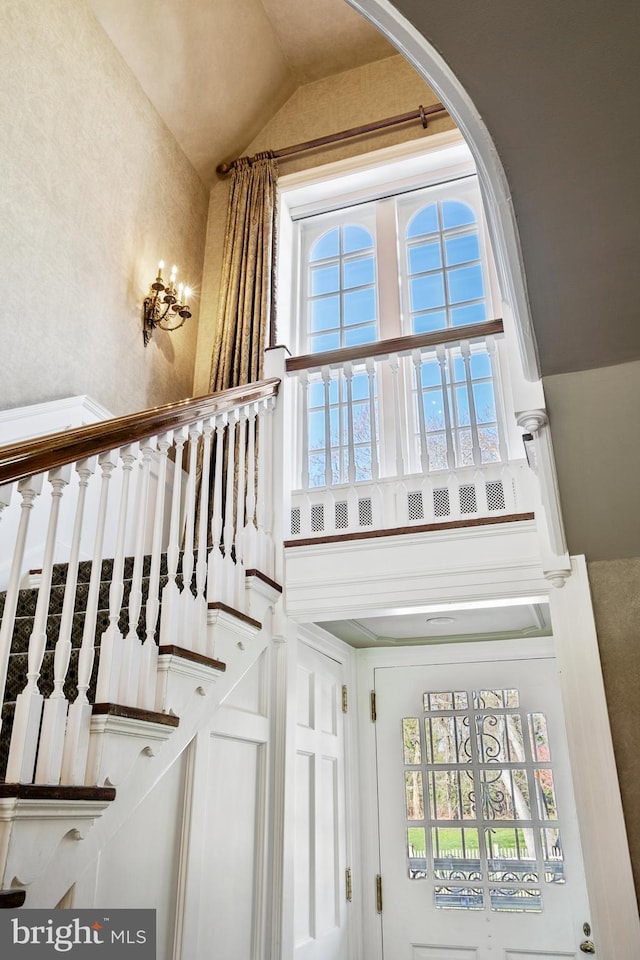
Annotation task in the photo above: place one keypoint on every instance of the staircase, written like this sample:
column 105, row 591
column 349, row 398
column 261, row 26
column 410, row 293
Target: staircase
column 112, row 666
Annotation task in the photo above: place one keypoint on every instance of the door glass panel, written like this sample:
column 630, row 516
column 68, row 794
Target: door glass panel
column 483, row 787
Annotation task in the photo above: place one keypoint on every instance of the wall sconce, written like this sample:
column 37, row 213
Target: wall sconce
column 167, row 312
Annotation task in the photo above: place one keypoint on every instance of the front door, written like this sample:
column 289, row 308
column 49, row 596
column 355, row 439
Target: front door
column 479, row 848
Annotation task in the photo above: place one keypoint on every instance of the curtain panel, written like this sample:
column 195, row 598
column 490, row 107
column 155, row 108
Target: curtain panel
column 246, row 308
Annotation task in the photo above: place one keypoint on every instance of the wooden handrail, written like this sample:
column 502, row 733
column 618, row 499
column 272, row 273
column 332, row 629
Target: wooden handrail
column 383, row 348
column 38, row 455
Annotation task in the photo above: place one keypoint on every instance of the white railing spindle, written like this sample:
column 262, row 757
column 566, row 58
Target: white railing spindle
column 132, row 644
column 373, row 420
column 171, row 592
column 187, row 600
column 54, row 715
column 215, row 574
column 29, row 489
column 465, row 350
column 200, row 618
column 26, row 721
column 112, row 640
column 149, row 652
column 229, row 566
column 76, row 745
column 249, row 536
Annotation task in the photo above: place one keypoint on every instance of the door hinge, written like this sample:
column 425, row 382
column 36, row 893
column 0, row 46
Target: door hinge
column 345, row 698
column 348, row 884
column 373, row 707
column 379, row 893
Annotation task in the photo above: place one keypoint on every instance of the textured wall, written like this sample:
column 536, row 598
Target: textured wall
column 596, row 440
column 349, row 99
column 93, row 192
column 615, row 588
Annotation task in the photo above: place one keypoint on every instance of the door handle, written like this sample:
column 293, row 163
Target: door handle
column 587, row 946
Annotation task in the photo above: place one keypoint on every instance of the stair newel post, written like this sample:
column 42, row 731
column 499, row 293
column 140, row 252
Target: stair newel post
column 171, row 591
column 26, row 722
column 200, row 620
column 263, row 441
column 250, row 533
column 149, row 653
column 215, row 573
column 228, row 562
column 239, row 593
column 54, row 716
column 112, row 639
column 76, row 741
column 29, row 489
column 132, row 645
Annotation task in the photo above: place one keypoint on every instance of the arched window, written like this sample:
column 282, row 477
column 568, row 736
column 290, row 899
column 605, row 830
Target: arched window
column 444, row 269
column 341, row 293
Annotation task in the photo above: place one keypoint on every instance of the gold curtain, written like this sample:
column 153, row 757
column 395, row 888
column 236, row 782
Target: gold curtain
column 246, row 308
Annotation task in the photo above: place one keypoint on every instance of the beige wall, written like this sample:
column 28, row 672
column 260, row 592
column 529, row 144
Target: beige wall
column 346, row 100
column 615, row 588
column 93, row 191
column 596, row 439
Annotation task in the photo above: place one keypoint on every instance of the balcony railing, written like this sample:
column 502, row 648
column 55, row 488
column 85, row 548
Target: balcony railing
column 403, row 432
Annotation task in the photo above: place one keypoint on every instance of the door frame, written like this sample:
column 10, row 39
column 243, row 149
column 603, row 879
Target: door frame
column 610, row 887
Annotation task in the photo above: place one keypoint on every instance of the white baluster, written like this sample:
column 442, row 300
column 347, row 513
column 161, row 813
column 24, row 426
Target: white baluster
column 261, row 500
column 268, row 560
column 303, row 382
column 112, row 640
column 215, row 573
column 187, row 600
column 229, row 565
column 169, row 618
column 132, row 645
column 29, row 489
column 200, row 613
column 498, row 395
column 239, row 593
column 26, row 721
column 249, row 538
column 54, row 716
column 328, row 473
column 74, row 756
column 351, row 451
column 394, row 366
column 422, row 427
column 373, row 424
column 149, row 652
column 465, row 350
column 441, row 355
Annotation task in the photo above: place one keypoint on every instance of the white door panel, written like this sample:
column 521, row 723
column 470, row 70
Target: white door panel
column 319, row 892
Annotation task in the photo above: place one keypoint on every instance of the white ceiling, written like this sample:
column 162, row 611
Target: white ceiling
column 511, row 621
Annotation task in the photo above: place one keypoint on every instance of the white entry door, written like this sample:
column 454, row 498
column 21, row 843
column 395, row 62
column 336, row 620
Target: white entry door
column 320, row 914
column 479, row 848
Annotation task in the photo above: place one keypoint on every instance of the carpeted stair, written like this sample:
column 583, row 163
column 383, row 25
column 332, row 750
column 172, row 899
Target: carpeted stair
column 17, row 670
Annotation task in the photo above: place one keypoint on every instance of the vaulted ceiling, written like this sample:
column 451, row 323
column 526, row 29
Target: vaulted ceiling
column 556, row 84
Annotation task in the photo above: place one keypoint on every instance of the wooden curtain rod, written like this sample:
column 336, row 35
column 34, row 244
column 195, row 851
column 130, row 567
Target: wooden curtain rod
column 422, row 114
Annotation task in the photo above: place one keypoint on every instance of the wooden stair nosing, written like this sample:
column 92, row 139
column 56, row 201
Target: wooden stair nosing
column 184, row 654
